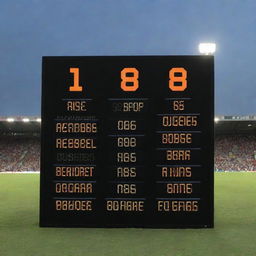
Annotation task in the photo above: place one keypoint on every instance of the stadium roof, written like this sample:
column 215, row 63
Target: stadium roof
column 20, row 125
column 235, row 124
column 223, row 125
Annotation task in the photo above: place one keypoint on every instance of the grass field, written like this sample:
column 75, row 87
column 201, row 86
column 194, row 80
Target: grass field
column 234, row 233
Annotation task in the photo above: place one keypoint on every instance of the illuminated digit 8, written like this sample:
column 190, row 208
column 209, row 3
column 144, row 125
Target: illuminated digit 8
column 129, row 79
column 182, row 79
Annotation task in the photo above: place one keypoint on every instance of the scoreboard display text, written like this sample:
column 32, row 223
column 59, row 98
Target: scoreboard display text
column 127, row 141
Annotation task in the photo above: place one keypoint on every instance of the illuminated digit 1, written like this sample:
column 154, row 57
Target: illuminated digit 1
column 182, row 79
column 76, row 87
column 132, row 79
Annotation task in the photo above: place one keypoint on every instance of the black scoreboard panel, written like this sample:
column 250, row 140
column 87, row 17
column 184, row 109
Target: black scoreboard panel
column 127, row 141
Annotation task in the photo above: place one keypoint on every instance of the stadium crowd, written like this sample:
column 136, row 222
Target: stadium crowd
column 232, row 153
column 18, row 153
column 235, row 153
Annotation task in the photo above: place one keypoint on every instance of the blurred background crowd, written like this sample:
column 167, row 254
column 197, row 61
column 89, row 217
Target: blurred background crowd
column 235, row 153
column 19, row 154
column 232, row 153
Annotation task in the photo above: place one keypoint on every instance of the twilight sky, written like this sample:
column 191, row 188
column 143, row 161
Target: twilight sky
column 36, row 28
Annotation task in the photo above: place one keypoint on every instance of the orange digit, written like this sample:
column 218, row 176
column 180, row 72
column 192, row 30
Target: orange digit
column 76, row 87
column 129, row 79
column 182, row 79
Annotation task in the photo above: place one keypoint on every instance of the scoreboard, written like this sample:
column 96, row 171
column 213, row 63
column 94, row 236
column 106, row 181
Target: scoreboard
column 127, row 141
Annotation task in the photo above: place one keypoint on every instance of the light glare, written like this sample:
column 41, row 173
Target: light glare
column 10, row 120
column 25, row 120
column 207, row 48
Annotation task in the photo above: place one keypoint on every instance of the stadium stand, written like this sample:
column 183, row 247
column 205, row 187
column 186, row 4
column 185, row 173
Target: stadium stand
column 235, row 143
column 20, row 144
column 235, row 153
column 19, row 153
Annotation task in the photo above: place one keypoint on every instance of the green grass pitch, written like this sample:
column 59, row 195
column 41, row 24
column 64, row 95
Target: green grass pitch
column 234, row 233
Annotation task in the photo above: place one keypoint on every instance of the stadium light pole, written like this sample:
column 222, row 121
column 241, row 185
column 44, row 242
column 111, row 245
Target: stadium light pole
column 207, row 48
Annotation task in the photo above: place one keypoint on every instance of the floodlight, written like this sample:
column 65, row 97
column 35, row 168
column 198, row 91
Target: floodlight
column 216, row 119
column 10, row 119
column 207, row 48
column 25, row 120
column 38, row 120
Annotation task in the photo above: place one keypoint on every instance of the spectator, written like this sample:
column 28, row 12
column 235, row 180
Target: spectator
column 235, row 153
column 19, row 153
column 232, row 153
